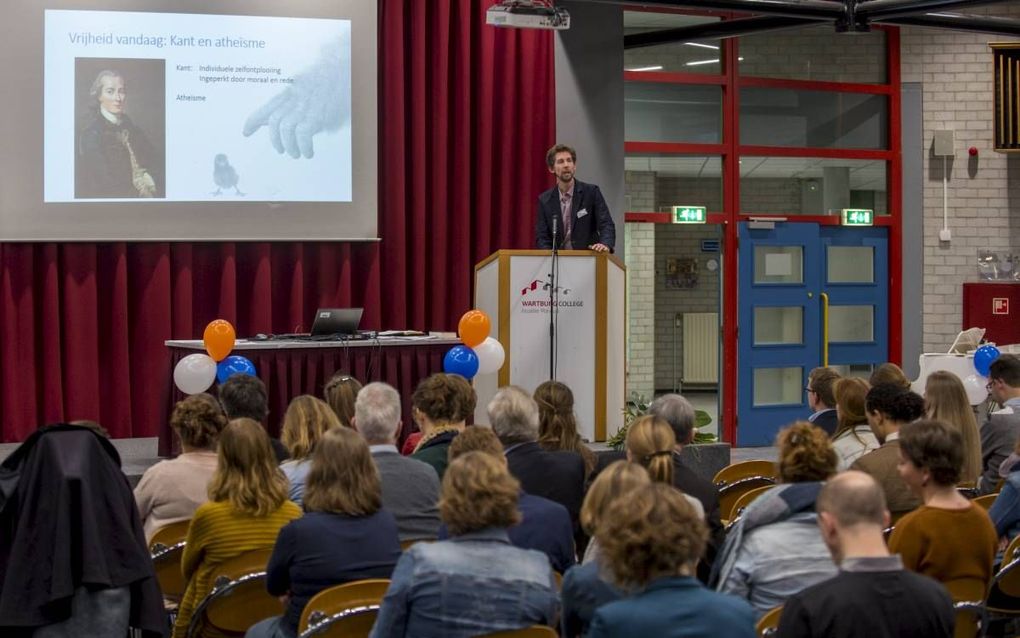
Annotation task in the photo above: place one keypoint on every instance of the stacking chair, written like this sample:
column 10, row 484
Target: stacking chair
column 239, row 598
column 166, row 549
column 768, row 623
column 745, row 469
column 731, row 493
column 535, row 631
column 747, row 497
column 985, row 501
column 1004, row 594
column 347, row 610
column 971, row 619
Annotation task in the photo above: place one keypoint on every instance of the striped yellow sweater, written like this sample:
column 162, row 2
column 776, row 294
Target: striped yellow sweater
column 218, row 533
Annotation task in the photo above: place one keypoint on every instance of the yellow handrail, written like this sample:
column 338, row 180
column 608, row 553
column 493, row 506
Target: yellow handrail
column 825, row 328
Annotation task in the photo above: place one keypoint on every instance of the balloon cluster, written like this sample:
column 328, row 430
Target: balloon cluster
column 975, row 384
column 196, row 372
column 480, row 354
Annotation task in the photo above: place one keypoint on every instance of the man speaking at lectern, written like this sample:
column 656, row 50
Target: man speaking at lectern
column 577, row 209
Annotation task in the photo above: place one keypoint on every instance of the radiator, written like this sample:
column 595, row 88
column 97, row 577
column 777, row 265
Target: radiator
column 701, row 347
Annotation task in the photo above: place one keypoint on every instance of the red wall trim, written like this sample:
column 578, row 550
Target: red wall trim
column 804, row 151
column 815, row 85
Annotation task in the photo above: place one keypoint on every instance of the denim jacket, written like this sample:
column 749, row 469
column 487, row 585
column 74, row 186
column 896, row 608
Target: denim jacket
column 1005, row 511
column 473, row 584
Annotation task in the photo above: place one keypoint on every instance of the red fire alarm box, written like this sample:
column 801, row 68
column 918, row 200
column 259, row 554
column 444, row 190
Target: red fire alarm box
column 994, row 306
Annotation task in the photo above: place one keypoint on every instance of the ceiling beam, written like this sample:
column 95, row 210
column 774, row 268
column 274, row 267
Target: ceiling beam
column 875, row 10
column 714, row 30
column 814, row 9
column 959, row 22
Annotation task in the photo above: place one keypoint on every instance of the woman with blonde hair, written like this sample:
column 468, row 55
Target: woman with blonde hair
column 170, row 491
column 247, row 507
column 345, row 535
column 476, row 583
column 306, row 421
column 775, row 549
column 340, row 393
column 557, row 425
column 946, row 400
column 584, row 589
column 651, row 443
column 853, row 437
column 889, row 373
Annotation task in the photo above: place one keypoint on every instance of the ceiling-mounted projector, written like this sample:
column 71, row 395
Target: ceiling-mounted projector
column 527, row 14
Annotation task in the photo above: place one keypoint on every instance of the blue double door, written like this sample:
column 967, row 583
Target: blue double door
column 809, row 295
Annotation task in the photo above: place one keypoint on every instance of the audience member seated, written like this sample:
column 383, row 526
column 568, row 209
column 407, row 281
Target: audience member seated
column 73, row 558
column 1005, row 511
column 650, row 542
column 170, row 491
column 557, row 476
column 946, row 401
column 585, row 587
column 244, row 397
column 775, row 549
column 651, row 444
column 853, row 438
column 345, row 534
column 872, row 596
column 889, row 407
column 410, row 488
column 948, row 538
column 247, row 507
column 440, row 406
column 305, row 422
column 557, row 423
column 545, row 525
column 889, row 373
column 477, row 582
column 999, row 434
column 340, row 393
column 822, row 399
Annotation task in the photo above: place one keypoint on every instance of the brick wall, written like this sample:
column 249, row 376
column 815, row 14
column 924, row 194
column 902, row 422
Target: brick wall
column 639, row 244
column 984, row 199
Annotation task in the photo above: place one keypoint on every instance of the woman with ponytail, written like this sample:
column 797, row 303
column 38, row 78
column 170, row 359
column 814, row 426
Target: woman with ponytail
column 650, row 443
column 557, row 425
column 889, row 407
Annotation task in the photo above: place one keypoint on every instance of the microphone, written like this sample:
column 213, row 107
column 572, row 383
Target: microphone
column 555, row 229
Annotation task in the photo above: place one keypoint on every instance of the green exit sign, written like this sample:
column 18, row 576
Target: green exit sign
column 858, row 217
column 689, row 214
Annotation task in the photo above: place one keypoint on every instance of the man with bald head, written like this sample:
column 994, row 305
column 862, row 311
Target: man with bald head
column 872, row 596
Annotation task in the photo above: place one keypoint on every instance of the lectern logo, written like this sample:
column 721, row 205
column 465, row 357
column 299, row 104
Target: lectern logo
column 535, row 297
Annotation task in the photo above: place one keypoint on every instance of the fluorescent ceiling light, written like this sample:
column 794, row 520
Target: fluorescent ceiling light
column 703, row 46
column 700, row 62
column 646, row 68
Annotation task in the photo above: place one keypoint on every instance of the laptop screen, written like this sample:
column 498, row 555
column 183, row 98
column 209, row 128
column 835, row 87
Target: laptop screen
column 330, row 321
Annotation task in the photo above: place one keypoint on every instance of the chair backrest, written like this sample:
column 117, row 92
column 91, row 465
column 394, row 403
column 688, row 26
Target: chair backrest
column 166, row 549
column 729, row 494
column 970, row 619
column 239, row 598
column 535, row 631
column 747, row 497
column 769, row 622
column 744, row 469
column 356, row 622
column 985, row 501
column 334, row 601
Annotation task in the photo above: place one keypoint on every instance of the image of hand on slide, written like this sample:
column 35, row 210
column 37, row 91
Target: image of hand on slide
column 316, row 101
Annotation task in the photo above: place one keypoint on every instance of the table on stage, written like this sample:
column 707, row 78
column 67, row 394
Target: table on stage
column 293, row 367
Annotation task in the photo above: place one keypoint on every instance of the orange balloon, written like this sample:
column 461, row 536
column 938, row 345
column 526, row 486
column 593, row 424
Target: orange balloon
column 474, row 327
column 219, row 339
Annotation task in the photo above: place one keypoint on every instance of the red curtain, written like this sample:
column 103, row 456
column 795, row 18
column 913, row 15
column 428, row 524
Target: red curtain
column 466, row 112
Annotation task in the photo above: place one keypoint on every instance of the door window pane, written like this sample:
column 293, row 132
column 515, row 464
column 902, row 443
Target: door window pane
column 816, row 119
column 672, row 113
column 778, row 325
column 851, row 324
column 811, row 185
column 859, row 370
column 778, row 386
column 814, row 53
column 703, row 56
column 850, row 265
column 778, row 264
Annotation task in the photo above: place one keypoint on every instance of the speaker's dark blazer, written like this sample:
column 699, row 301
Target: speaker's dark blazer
column 594, row 226
column 557, row 476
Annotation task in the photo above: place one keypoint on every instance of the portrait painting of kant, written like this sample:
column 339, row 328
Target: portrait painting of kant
column 120, row 115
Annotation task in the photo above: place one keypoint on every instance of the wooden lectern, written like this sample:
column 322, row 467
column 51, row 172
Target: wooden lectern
column 512, row 287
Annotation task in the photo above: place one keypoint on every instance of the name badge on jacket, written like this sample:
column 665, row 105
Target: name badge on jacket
column 581, row 213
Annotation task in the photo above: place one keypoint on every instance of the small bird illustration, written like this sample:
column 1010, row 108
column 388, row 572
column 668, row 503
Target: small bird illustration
column 224, row 175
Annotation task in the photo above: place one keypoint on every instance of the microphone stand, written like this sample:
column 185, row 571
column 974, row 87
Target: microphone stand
column 553, row 295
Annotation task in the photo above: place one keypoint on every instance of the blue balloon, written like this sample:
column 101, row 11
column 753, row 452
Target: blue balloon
column 234, row 364
column 983, row 358
column 461, row 360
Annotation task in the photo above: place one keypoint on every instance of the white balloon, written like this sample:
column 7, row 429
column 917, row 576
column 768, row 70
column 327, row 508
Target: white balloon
column 490, row 355
column 975, row 384
column 195, row 373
